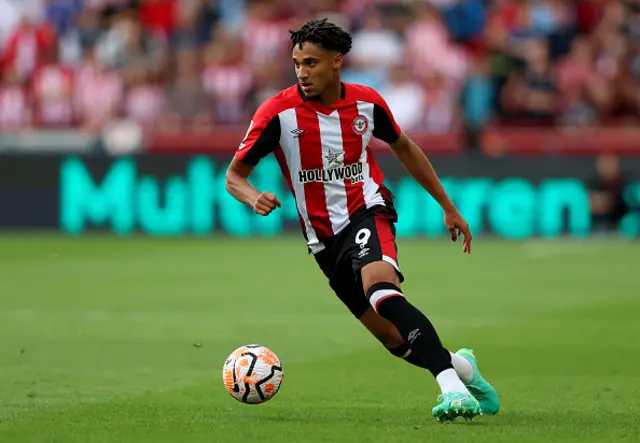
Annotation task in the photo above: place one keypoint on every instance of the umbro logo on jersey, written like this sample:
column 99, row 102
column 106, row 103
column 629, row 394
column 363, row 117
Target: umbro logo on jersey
column 297, row 132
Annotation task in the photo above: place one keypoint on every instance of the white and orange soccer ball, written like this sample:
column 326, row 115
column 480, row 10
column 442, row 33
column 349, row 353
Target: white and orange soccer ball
column 252, row 374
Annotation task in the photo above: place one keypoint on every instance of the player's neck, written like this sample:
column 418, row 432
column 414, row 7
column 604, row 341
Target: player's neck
column 331, row 95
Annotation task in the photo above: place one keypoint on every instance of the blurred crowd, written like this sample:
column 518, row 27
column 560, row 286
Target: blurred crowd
column 442, row 65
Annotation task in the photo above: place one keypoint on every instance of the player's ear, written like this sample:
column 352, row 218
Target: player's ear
column 338, row 59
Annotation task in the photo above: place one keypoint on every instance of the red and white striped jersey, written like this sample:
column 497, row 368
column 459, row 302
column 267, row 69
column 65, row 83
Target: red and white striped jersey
column 324, row 154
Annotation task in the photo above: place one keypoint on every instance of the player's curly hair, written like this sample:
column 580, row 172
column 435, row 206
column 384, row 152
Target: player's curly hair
column 322, row 32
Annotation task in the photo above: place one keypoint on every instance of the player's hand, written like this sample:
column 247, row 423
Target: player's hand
column 265, row 203
column 458, row 226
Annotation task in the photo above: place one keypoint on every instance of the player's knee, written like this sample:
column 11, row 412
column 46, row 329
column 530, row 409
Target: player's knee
column 379, row 272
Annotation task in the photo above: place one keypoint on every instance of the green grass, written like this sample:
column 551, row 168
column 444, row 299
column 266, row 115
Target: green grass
column 97, row 340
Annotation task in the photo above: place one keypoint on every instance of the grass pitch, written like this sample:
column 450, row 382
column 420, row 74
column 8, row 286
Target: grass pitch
column 106, row 340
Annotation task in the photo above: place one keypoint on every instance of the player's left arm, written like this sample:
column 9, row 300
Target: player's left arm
column 418, row 165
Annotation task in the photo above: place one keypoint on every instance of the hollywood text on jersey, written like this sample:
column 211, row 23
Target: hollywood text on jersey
column 352, row 172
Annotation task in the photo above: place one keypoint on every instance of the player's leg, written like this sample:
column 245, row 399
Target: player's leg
column 388, row 334
column 375, row 257
column 336, row 265
column 390, row 337
column 382, row 287
column 464, row 361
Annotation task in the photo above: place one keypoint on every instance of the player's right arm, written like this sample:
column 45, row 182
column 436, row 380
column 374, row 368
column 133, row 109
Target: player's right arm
column 261, row 138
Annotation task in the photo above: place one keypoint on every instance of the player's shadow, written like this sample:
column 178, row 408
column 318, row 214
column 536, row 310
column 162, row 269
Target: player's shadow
column 378, row 417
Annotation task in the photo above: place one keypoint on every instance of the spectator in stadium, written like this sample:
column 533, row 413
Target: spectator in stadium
column 501, row 20
column 98, row 94
column 531, row 94
column 52, row 89
column 405, row 97
column 611, row 51
column 84, row 33
column 475, row 48
column 375, row 49
column 442, row 104
column 15, row 107
column 144, row 98
column 226, row 79
column 28, row 44
column 137, row 49
column 191, row 24
column 264, row 32
column 583, row 93
column 440, row 55
column 187, row 107
column 477, row 96
column 13, row 14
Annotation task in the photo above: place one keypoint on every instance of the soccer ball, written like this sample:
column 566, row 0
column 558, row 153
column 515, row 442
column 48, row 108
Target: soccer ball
column 252, row 374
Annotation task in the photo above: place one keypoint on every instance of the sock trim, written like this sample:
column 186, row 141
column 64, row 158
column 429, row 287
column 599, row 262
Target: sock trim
column 379, row 292
column 381, row 295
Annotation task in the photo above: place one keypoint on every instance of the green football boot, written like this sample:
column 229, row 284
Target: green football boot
column 456, row 404
column 478, row 386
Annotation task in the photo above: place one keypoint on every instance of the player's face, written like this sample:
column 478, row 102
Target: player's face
column 316, row 68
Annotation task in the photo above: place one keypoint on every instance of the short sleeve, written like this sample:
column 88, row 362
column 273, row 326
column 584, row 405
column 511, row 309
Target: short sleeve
column 385, row 127
column 262, row 137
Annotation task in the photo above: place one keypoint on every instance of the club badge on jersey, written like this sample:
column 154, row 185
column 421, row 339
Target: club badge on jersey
column 360, row 124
